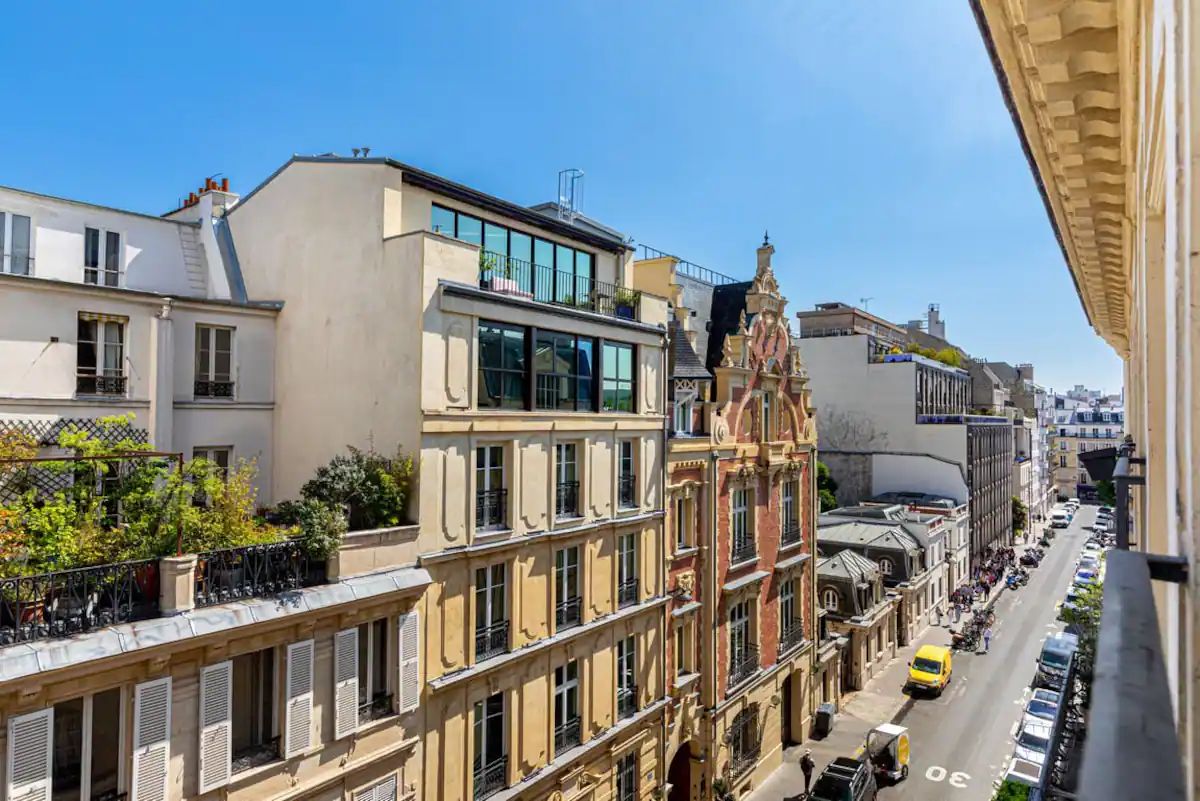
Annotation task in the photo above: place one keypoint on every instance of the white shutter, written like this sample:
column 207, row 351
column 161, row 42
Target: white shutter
column 345, row 683
column 365, row 795
column 29, row 741
column 151, row 740
column 386, row 789
column 409, row 627
column 216, row 725
column 298, row 715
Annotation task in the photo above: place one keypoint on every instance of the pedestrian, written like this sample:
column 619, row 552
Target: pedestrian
column 937, row 610
column 987, row 639
column 806, row 766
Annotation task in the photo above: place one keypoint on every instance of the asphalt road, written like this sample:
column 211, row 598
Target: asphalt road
column 962, row 741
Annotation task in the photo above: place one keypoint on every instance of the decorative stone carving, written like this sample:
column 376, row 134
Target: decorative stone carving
column 685, row 583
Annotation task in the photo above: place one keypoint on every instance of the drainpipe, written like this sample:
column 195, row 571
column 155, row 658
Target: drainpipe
column 662, row 567
column 712, row 599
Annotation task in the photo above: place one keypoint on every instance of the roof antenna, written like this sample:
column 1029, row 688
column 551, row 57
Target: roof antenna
column 365, row 151
column 355, row 151
column 865, row 302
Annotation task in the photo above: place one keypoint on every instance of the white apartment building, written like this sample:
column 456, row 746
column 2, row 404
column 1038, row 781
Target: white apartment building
column 110, row 312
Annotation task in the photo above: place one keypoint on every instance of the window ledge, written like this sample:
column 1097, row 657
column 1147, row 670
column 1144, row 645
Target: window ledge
column 251, row 775
column 690, row 550
column 682, row 683
column 492, row 534
column 744, row 563
column 389, row 719
column 788, row 546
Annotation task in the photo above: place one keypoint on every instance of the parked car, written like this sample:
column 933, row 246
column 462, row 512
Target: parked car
column 1089, row 562
column 929, row 669
column 1054, row 662
column 1059, row 519
column 1040, row 708
column 1083, row 576
column 1107, row 510
column 1033, row 740
column 845, row 779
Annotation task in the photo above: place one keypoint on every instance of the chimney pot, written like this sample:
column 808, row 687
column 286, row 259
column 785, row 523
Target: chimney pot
column 224, row 184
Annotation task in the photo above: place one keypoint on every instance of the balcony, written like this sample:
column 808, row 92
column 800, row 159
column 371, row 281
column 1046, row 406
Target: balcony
column 254, row 571
column 791, row 636
column 627, row 491
column 91, row 384
column 743, row 664
column 566, row 499
column 627, row 704
column 567, row 613
column 491, row 509
column 627, row 593
column 568, row 735
column 743, row 550
column 543, row 284
column 69, row 602
column 790, row 534
column 490, row 778
column 212, row 389
column 491, row 641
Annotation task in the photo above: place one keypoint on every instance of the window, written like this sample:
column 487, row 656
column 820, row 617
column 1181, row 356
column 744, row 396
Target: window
column 219, row 459
column 742, row 537
column 790, row 516
column 787, row 606
column 374, row 700
column 739, row 635
column 15, row 232
column 767, row 419
column 627, row 570
column 830, row 599
column 1062, row 461
column 214, row 362
column 491, row 496
column 491, row 613
column 86, row 748
column 566, row 584
column 566, row 481
column 627, row 777
column 491, row 759
column 683, row 649
column 627, row 478
column 502, row 367
column 617, row 372
column 100, row 355
column 626, row 677
column 255, row 733
column 683, row 521
column 564, row 367
column 566, row 706
column 886, row 566
column 101, row 257
column 683, row 416
column 743, row 740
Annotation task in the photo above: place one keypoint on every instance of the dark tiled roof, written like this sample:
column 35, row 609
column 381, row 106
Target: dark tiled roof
column 728, row 303
column 684, row 361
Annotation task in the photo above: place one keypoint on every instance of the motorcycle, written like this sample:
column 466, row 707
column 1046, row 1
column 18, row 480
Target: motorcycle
column 1013, row 581
column 1029, row 559
column 964, row 641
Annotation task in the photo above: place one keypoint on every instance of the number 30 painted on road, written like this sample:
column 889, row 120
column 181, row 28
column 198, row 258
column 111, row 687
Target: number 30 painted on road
column 958, row 779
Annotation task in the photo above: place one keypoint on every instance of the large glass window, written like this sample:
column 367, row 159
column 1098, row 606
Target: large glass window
column 502, row 366
column 470, row 229
column 18, row 229
column 84, row 773
column 566, row 706
column 567, row 481
column 617, row 372
column 101, row 262
column 564, row 371
column 495, row 239
column 442, row 221
column 373, row 698
column 490, row 759
column 100, row 356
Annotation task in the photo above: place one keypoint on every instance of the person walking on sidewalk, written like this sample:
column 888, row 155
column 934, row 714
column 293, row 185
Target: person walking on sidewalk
column 987, row 639
column 806, row 766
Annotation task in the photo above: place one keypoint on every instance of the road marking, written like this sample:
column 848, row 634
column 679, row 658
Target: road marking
column 958, row 779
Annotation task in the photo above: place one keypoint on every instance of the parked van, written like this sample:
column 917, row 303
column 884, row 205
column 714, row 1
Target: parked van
column 1055, row 661
column 1059, row 519
column 929, row 669
column 845, row 779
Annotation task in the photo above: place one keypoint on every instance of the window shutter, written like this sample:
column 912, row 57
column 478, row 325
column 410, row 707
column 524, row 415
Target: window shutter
column 410, row 667
column 345, row 683
column 29, row 742
column 151, row 740
column 386, row 789
column 298, row 716
column 216, row 725
column 365, row 795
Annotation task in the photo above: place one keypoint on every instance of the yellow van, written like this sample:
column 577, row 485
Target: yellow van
column 929, row 669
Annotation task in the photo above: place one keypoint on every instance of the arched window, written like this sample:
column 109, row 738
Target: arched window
column 830, row 599
column 885, row 566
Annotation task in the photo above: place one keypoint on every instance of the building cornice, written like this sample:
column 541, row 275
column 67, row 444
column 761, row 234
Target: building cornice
column 36, row 283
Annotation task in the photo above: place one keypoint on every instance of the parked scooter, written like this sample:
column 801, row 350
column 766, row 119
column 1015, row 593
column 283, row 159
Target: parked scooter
column 1030, row 558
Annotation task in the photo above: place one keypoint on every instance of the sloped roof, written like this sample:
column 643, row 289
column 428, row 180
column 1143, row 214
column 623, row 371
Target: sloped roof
column 684, row 361
column 848, row 565
column 880, row 534
column 728, row 303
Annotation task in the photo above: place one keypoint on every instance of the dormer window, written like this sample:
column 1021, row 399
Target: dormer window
column 683, row 415
column 15, row 250
column 101, row 257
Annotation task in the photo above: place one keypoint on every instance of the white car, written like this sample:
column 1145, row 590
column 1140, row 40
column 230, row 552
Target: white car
column 1033, row 740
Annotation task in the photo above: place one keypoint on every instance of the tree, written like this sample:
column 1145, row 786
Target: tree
column 826, row 488
column 949, row 356
column 1020, row 515
column 1012, row 791
column 1083, row 618
column 1106, row 492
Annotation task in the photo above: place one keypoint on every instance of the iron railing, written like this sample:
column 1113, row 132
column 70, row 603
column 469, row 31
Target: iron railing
column 568, row 735
column 627, row 491
column 253, row 756
column 627, row 592
column 791, row 636
column 791, row 533
column 491, row 508
column 490, row 778
column 91, row 384
column 491, row 640
column 566, row 499
column 744, row 759
column 743, row 549
column 690, row 269
column 743, row 664
column 380, row 706
column 544, row 284
column 627, row 703
column 69, row 602
column 254, row 571
column 212, row 389
column 567, row 613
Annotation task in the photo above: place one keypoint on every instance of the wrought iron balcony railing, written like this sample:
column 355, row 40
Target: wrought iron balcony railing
column 791, row 636
column 743, row 550
column 744, row 759
column 568, row 613
column 490, row 778
column 92, row 384
column 627, row 491
column 791, row 533
column 627, row 592
column 212, row 389
column 743, row 664
column 568, row 735
column 255, row 755
column 627, row 701
column 73, row 601
column 491, row 508
column 491, row 640
column 255, row 571
column 566, row 499
column 380, row 706
column 544, row 284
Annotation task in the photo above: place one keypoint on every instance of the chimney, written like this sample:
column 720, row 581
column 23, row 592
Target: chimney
column 937, row 326
column 210, row 197
column 1025, row 372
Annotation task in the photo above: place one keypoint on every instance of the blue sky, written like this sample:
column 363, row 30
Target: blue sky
column 873, row 144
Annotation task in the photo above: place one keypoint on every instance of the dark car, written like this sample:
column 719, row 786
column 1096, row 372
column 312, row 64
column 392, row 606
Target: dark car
column 845, row 779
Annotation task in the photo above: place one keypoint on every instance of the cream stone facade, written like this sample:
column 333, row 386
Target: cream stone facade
column 499, row 345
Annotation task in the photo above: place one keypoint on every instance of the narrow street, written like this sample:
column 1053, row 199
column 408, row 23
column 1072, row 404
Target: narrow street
column 962, row 741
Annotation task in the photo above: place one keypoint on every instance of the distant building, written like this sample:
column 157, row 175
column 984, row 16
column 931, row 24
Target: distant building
column 1079, row 430
column 858, row 607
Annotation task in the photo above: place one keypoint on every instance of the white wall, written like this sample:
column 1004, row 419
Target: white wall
column 896, row 473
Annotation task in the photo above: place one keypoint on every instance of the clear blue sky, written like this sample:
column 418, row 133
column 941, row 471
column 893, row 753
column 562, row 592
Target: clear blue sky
column 872, row 143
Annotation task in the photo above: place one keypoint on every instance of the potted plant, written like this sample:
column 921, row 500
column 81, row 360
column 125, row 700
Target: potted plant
column 625, row 302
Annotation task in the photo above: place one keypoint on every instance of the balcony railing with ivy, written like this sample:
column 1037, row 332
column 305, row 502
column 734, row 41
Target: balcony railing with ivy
column 254, row 571
column 544, row 284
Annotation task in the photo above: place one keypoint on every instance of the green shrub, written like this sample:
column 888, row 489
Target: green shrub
column 1012, row 791
column 371, row 488
column 322, row 529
